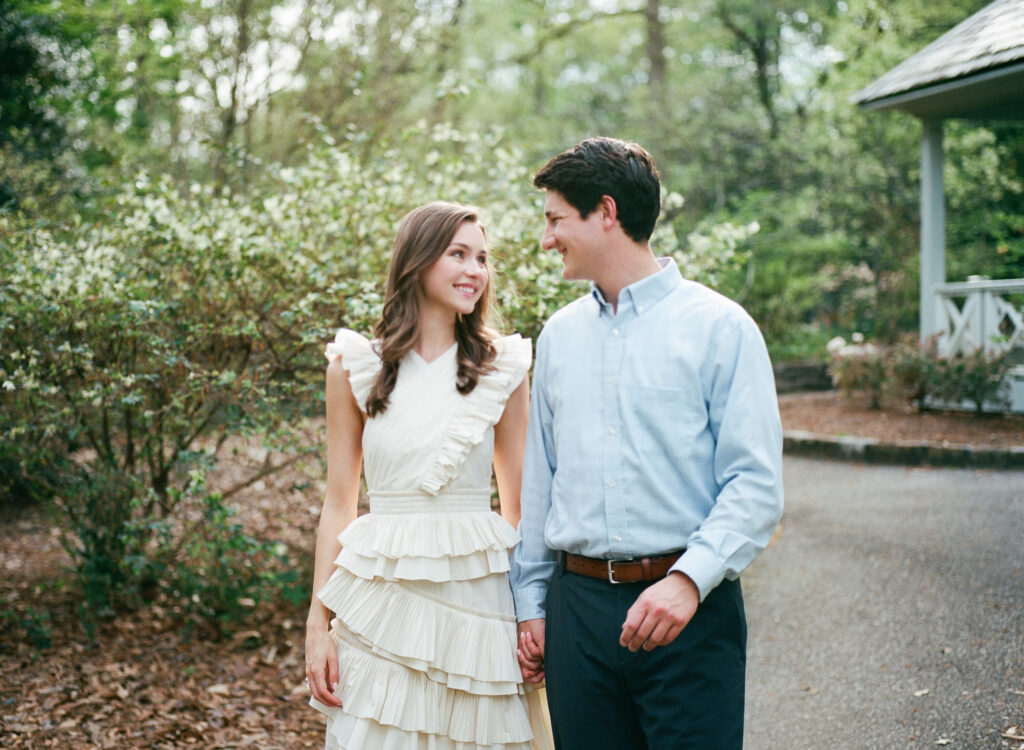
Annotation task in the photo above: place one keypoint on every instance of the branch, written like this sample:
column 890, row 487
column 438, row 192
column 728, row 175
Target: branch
column 267, row 470
column 558, row 32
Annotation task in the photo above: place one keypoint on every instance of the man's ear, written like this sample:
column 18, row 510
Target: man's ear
column 608, row 210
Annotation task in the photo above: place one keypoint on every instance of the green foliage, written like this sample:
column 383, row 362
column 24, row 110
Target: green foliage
column 861, row 367
column 219, row 572
column 270, row 149
column 918, row 374
column 108, row 539
column 978, row 378
column 139, row 344
column 35, row 625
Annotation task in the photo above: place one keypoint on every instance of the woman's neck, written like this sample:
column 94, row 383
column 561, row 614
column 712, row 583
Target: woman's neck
column 436, row 335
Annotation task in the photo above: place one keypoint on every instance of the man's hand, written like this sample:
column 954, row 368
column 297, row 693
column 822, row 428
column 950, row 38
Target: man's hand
column 660, row 613
column 531, row 650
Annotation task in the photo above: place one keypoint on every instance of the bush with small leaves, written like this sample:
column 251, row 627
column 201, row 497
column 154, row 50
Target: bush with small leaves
column 137, row 344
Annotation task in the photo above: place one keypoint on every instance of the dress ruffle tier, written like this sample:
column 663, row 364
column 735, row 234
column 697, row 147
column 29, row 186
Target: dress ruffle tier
column 414, row 662
column 424, row 625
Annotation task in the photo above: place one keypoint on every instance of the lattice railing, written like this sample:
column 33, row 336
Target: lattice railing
column 981, row 313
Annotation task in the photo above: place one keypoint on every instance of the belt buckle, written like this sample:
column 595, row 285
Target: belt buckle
column 611, row 576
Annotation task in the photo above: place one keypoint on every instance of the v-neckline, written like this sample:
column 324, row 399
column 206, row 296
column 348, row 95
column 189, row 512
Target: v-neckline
column 439, row 357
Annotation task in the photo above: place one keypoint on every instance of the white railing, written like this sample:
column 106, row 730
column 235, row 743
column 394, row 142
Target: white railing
column 980, row 313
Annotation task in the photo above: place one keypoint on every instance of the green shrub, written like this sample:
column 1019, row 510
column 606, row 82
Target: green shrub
column 218, row 572
column 918, row 374
column 860, row 367
column 978, row 378
column 35, row 625
column 134, row 346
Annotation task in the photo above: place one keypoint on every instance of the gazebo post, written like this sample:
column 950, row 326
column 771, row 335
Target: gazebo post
column 933, row 226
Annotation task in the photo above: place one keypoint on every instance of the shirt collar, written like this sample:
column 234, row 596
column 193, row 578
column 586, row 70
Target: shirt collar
column 644, row 293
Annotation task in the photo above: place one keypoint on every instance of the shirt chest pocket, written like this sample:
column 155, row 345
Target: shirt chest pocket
column 663, row 420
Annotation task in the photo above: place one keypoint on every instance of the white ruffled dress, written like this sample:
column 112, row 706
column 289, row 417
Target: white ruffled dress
column 424, row 617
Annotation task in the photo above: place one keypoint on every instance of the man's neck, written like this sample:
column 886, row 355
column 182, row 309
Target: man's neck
column 626, row 266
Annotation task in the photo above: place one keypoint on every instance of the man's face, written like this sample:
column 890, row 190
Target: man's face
column 576, row 239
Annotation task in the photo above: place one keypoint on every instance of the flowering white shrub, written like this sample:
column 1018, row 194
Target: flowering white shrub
column 184, row 315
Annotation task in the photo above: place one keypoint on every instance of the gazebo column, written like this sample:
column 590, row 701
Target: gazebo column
column 933, row 226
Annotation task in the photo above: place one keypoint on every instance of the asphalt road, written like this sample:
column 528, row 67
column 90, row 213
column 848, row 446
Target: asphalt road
column 888, row 612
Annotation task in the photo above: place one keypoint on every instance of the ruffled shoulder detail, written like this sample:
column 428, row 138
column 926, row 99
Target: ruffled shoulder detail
column 479, row 410
column 358, row 356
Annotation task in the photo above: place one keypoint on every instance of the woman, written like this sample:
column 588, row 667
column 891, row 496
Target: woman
column 422, row 651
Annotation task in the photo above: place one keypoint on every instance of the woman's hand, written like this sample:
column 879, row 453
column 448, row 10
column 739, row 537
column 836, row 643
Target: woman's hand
column 531, row 651
column 321, row 664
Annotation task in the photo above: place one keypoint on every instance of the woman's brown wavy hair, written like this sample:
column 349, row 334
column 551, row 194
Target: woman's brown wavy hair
column 423, row 235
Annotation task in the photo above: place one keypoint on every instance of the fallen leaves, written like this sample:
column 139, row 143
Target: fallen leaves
column 1014, row 733
column 158, row 690
column 144, row 682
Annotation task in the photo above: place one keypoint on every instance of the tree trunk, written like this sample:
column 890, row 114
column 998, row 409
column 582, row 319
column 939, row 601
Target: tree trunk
column 656, row 52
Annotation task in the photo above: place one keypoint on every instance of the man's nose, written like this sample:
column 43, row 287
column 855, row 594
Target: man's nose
column 547, row 240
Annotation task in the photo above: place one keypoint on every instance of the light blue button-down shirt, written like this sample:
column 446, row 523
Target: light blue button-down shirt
column 653, row 428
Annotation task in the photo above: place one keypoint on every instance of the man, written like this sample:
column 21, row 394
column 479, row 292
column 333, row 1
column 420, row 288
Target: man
column 652, row 477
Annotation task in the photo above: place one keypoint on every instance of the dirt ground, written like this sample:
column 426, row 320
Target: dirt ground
column 144, row 682
column 828, row 413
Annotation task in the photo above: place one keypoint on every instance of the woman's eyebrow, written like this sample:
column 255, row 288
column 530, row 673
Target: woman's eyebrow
column 464, row 246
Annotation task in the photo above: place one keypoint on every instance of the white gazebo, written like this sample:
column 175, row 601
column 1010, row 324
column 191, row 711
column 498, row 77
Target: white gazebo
column 974, row 72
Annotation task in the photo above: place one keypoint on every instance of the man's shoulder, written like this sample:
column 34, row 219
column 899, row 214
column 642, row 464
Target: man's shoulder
column 566, row 316
column 697, row 299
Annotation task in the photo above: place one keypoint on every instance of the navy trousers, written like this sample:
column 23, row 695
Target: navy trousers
column 684, row 696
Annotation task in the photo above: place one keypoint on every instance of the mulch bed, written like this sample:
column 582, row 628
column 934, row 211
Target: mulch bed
column 146, row 680
column 829, row 413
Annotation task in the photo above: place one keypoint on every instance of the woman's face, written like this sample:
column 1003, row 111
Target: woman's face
column 457, row 280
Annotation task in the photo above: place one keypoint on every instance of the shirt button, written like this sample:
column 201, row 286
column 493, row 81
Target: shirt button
column 618, row 538
column 611, row 380
column 611, row 430
column 611, row 483
column 615, row 332
column 640, row 308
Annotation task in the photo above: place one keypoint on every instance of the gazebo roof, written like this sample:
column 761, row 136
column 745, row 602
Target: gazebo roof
column 975, row 70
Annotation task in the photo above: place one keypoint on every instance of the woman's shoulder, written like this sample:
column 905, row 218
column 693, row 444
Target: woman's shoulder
column 514, row 355
column 349, row 344
column 358, row 355
column 513, row 344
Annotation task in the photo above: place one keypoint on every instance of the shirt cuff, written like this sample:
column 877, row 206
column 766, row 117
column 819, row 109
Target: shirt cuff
column 530, row 602
column 702, row 567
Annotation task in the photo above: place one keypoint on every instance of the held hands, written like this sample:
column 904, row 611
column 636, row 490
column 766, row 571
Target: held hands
column 660, row 613
column 531, row 650
column 321, row 665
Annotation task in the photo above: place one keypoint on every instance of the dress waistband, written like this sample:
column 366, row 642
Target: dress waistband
column 414, row 501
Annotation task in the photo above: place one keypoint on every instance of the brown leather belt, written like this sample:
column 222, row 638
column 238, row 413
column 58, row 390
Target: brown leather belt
column 621, row 571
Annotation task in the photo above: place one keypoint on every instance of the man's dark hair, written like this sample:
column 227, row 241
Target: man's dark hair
column 607, row 166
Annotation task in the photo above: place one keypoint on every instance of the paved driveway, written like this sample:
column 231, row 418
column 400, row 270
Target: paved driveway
column 889, row 611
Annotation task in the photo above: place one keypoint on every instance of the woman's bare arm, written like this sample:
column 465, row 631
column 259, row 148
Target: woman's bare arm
column 344, row 461
column 509, row 446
